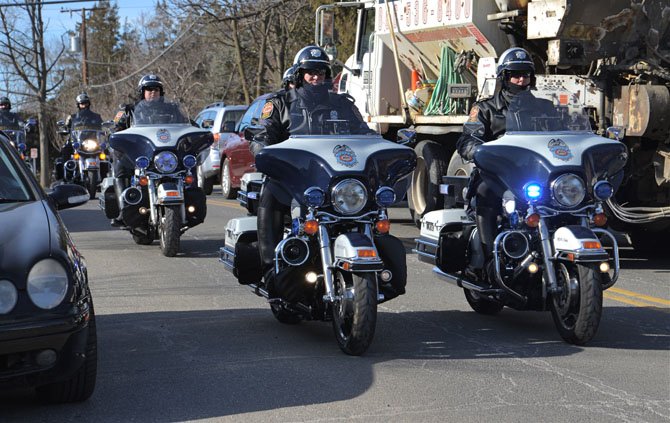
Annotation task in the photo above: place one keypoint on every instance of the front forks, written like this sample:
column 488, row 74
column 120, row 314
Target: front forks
column 326, row 263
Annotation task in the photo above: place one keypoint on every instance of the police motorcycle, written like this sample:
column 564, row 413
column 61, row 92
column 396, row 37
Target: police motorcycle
column 16, row 134
column 336, row 261
column 549, row 251
column 163, row 199
column 89, row 162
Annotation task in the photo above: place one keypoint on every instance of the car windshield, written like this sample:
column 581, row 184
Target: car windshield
column 530, row 114
column 158, row 113
column 13, row 187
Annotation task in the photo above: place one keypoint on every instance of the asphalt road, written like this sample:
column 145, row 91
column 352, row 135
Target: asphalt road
column 180, row 340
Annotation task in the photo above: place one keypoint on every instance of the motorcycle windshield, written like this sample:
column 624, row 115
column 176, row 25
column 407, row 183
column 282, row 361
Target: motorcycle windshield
column 8, row 122
column 544, row 141
column 85, row 119
column 302, row 162
column 159, row 112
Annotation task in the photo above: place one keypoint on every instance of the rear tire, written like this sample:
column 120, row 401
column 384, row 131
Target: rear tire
column 482, row 305
column 226, row 180
column 81, row 385
column 424, row 195
column 170, row 231
column 355, row 315
column 577, row 308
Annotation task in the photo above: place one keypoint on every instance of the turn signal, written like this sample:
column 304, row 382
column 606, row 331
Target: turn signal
column 103, row 156
column 144, row 181
column 311, row 227
column 76, row 156
column 532, row 220
column 383, row 226
column 591, row 245
column 600, row 219
column 188, row 179
column 367, row 253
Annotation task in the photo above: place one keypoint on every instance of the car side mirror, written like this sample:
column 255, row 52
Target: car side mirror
column 228, row 126
column 66, row 196
column 207, row 123
column 615, row 132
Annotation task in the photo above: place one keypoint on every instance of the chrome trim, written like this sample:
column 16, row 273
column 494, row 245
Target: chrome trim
column 615, row 251
column 326, row 260
column 497, row 268
column 547, row 253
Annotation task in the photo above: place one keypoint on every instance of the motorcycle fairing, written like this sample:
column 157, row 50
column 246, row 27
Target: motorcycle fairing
column 512, row 158
column 139, row 141
column 305, row 161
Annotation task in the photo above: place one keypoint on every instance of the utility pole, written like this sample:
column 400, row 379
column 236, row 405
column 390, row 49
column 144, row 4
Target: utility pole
column 84, row 54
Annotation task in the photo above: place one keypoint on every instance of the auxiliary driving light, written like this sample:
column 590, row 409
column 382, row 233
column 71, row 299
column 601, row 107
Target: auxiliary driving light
column 311, row 277
column 533, row 268
column 386, row 275
column 191, row 209
column 143, row 210
column 604, row 267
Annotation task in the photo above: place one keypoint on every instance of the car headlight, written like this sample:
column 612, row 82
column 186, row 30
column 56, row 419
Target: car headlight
column 47, row 284
column 8, row 296
column 349, row 196
column 89, row 145
column 568, row 190
column 166, row 162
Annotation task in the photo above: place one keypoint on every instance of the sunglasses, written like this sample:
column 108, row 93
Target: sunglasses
column 520, row 74
column 317, row 72
column 152, row 89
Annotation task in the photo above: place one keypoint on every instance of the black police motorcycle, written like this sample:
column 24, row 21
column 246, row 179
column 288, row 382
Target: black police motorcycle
column 88, row 163
column 163, row 199
column 16, row 134
column 336, row 260
column 549, row 251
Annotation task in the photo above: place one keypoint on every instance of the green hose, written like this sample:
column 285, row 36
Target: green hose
column 440, row 103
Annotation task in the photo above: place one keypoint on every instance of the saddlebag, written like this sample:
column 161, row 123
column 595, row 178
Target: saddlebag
column 392, row 252
column 452, row 247
column 107, row 199
column 240, row 252
column 195, row 196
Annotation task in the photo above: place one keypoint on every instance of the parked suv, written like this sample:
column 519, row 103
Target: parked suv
column 236, row 159
column 222, row 120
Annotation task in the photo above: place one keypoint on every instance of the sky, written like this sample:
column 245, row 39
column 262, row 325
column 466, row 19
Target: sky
column 62, row 22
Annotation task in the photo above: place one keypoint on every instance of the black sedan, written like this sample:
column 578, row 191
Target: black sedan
column 47, row 324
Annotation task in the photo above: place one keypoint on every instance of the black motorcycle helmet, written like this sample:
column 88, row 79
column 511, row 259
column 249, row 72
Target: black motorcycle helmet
column 288, row 78
column 4, row 101
column 148, row 81
column 310, row 57
column 83, row 98
column 515, row 59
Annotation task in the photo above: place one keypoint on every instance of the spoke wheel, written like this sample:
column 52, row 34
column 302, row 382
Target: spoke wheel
column 170, row 231
column 227, row 189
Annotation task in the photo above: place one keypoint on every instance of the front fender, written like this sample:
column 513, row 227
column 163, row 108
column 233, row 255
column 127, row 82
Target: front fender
column 579, row 244
column 355, row 252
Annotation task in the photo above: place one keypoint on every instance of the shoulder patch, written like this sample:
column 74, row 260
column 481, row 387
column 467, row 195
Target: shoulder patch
column 118, row 116
column 267, row 110
column 474, row 112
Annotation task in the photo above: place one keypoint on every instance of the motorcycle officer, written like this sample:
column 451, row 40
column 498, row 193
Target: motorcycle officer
column 83, row 117
column 515, row 73
column 7, row 117
column 296, row 110
column 150, row 89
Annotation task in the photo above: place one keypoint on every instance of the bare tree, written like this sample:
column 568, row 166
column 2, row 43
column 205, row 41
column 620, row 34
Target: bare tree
column 22, row 49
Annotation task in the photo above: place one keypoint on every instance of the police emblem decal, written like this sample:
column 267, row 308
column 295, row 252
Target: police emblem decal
column 163, row 135
column 345, row 155
column 559, row 149
column 315, row 52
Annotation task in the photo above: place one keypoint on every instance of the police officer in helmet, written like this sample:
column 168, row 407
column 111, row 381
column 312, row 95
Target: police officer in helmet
column 304, row 108
column 7, row 117
column 515, row 74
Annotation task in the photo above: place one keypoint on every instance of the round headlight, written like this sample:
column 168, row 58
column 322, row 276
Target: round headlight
column 142, row 162
column 385, row 196
column 8, row 296
column 47, row 284
column 166, row 162
column 314, row 197
column 189, row 161
column 568, row 190
column 603, row 190
column 349, row 196
column 89, row 145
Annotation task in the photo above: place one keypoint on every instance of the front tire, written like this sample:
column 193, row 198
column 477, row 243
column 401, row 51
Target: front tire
column 577, row 307
column 481, row 304
column 424, row 192
column 355, row 314
column 170, row 231
column 92, row 184
column 81, row 385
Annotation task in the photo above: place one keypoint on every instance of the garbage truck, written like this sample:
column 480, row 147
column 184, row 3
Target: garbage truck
column 422, row 64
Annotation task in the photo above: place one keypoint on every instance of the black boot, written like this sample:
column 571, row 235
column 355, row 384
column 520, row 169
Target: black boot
column 487, row 226
column 120, row 185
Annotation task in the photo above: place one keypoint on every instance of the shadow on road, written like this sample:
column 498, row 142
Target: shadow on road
column 190, row 365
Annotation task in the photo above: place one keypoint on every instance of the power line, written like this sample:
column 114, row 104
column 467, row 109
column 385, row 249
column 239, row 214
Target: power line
column 45, row 2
